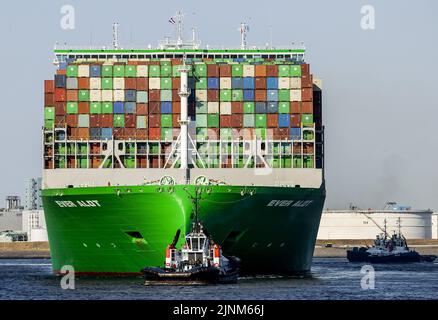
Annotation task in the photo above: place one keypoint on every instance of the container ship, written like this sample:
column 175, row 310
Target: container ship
column 132, row 137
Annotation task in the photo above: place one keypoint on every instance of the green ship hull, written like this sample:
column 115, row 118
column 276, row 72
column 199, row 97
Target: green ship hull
column 120, row 230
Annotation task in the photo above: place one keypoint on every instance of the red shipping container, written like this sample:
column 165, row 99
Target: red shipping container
column 307, row 107
column 142, row 109
column 71, row 162
column 212, row 95
column 142, row 84
column 119, row 133
column 212, row 70
column 130, row 133
column 141, row 134
column 305, row 69
column 154, row 121
column 61, row 72
column 132, row 63
column 154, row 95
column 176, row 107
column 175, row 120
column 260, row 95
column 176, row 83
column 260, row 70
column 237, row 120
column 130, row 84
column 60, row 95
column 153, row 63
column 83, row 133
column 72, row 95
column 295, row 120
column 307, row 94
column 49, row 99
column 95, row 120
column 308, row 147
column 72, row 120
column 60, row 108
column 60, row 122
column 295, row 107
column 272, row 71
column 155, row 134
column 175, row 95
column 49, row 86
column 224, row 70
column 307, row 81
column 237, row 107
column 83, row 107
column 71, row 133
column 225, row 121
column 141, row 160
column 106, row 120
column 84, row 83
column 130, row 121
column 175, row 62
column 260, row 83
column 281, row 133
column 154, row 107
column 272, row 120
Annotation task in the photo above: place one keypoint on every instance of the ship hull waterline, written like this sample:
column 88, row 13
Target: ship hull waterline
column 120, row 230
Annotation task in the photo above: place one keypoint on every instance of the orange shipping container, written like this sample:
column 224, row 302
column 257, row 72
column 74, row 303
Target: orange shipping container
column 224, row 70
column 130, row 84
column 60, row 122
column 72, row 95
column 60, row 95
column 176, row 107
column 175, row 95
column 72, row 120
column 83, row 133
column 142, row 84
column 106, row 120
column 271, row 70
column 272, row 120
column 130, row 121
column 175, row 120
column 260, row 95
column 83, row 107
column 154, row 95
column 307, row 94
column 212, row 95
column 307, row 107
column 95, row 120
column 305, row 69
column 154, row 121
column 84, row 83
column 155, row 134
column 72, row 133
column 225, row 121
column 154, row 107
column 49, row 99
column 142, row 109
column 306, row 81
column 212, row 70
column 236, row 107
column 260, row 70
column 295, row 107
column 295, row 120
column 260, row 83
column 176, row 83
column 141, row 134
column 237, row 120
column 49, row 86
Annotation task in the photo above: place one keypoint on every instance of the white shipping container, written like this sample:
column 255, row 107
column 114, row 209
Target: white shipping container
column 107, row 95
column 119, row 95
column 283, row 83
column 295, row 95
column 201, row 95
column 213, row 107
column 248, row 70
column 142, row 71
column 295, row 83
column 154, row 83
column 225, row 108
column 95, row 95
column 225, row 83
column 95, row 83
column 119, row 83
column 72, row 83
column 84, row 71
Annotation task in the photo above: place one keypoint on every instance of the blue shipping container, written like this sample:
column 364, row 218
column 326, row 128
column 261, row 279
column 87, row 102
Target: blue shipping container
column 130, row 107
column 272, row 107
column 166, row 107
column 236, row 83
column 63, row 66
column 248, row 83
column 272, row 83
column 131, row 95
column 213, row 83
column 260, row 107
column 295, row 133
column 284, row 120
column 272, row 95
column 95, row 133
column 248, row 95
column 60, row 81
column 95, row 71
column 118, row 107
column 106, row 133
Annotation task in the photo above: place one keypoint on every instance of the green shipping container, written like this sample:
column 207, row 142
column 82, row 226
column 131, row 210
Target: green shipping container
column 166, row 71
column 72, row 107
column 225, row 95
column 107, row 107
column 49, row 113
column 284, row 95
column 201, row 70
column 260, row 121
column 213, row 120
column 84, row 95
column 107, row 83
column 166, row 83
column 308, row 162
column 82, row 148
column 154, row 148
column 283, row 70
column 248, row 121
column 237, row 70
column 72, row 71
column 154, row 71
column 107, row 71
column 201, row 120
column 95, row 108
column 307, row 119
column 83, row 121
column 284, row 107
column 60, row 162
column 248, row 107
column 130, row 71
column 286, row 162
column 237, row 95
column 130, row 148
column 175, row 71
column 297, row 162
column 308, row 135
column 295, row 71
column 119, row 71
column 82, row 162
column 119, row 120
column 201, row 84
column 49, row 124
column 166, row 120
column 166, row 134
column 260, row 133
column 129, row 162
column 165, row 62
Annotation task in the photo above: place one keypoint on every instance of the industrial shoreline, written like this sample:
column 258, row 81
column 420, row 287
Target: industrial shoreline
column 323, row 248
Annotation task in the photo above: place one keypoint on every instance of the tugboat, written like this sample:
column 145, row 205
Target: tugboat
column 388, row 250
column 199, row 261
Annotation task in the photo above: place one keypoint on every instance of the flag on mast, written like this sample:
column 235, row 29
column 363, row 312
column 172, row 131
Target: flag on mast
column 172, row 20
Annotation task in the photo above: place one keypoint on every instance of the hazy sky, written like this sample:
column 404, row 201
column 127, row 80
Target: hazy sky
column 380, row 86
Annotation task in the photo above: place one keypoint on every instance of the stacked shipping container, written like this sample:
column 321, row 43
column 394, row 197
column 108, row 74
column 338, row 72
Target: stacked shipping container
column 90, row 103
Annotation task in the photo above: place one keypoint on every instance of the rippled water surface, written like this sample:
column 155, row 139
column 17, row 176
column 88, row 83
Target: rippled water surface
column 331, row 278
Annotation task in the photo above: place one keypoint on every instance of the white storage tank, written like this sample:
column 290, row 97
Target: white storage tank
column 366, row 224
column 38, row 235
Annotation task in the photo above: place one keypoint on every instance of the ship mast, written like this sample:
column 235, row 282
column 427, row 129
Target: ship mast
column 243, row 31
